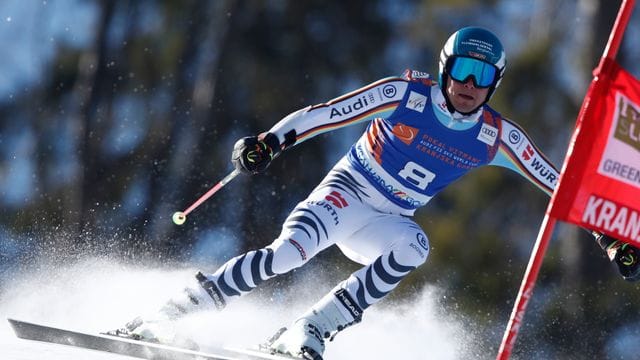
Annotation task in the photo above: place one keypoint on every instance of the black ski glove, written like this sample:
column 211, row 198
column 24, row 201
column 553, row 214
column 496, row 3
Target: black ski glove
column 252, row 154
column 626, row 256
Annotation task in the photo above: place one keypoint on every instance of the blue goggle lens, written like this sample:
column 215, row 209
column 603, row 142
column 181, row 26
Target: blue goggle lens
column 482, row 73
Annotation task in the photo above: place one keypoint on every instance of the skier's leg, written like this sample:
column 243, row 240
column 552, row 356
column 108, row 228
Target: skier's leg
column 238, row 276
column 311, row 227
column 334, row 210
column 400, row 245
column 393, row 246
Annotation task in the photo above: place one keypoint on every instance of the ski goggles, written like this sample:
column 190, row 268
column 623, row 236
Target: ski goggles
column 483, row 74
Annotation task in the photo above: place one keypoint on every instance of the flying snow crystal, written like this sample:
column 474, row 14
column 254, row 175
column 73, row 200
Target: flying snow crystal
column 68, row 296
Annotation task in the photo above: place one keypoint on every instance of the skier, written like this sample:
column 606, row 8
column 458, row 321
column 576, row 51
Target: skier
column 422, row 136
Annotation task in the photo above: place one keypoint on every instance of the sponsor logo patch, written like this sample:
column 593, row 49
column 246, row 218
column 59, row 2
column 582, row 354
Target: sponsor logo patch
column 419, row 74
column 488, row 134
column 353, row 107
column 389, row 91
column 514, row 137
column 417, row 249
column 477, row 55
column 329, row 208
column 537, row 165
column 405, row 133
column 300, row 249
column 416, row 101
column 337, row 200
column 371, row 97
column 347, row 301
column 422, row 240
column 527, row 153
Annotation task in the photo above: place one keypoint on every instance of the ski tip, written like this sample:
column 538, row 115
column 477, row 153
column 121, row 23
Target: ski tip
column 14, row 323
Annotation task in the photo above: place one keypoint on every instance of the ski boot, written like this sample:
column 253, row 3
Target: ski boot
column 305, row 337
column 159, row 327
column 302, row 340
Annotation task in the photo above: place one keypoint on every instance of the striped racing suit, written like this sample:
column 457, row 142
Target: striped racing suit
column 412, row 149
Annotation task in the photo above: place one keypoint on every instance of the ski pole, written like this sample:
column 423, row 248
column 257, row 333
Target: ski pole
column 179, row 217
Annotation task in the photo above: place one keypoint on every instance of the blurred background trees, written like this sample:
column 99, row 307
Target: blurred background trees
column 115, row 114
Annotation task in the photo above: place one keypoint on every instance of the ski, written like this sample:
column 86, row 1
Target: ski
column 133, row 348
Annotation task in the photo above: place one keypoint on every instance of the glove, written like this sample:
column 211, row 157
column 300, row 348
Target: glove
column 253, row 154
column 625, row 256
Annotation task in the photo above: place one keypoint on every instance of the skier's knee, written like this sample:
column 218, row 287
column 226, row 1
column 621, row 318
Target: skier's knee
column 289, row 254
column 413, row 251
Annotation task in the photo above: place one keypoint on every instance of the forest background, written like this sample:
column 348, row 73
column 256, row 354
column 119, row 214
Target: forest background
column 115, row 114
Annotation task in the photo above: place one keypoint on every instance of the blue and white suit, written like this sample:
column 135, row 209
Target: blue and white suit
column 412, row 149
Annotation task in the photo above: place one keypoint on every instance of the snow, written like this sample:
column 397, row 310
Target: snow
column 97, row 295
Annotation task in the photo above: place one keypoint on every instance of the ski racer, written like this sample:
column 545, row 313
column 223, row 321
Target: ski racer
column 422, row 136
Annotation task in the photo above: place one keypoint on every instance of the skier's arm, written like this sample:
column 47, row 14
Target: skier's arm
column 377, row 100
column 253, row 154
column 518, row 153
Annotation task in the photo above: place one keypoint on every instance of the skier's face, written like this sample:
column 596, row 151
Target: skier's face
column 465, row 97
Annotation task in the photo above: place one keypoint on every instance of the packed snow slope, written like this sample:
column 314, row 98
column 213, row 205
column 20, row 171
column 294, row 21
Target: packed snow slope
column 97, row 294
